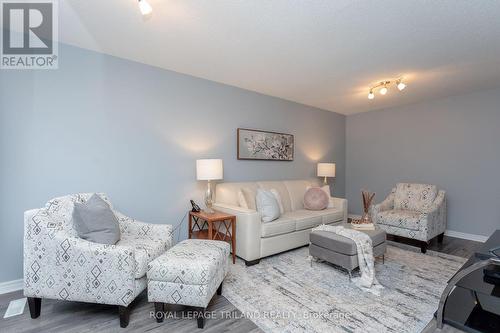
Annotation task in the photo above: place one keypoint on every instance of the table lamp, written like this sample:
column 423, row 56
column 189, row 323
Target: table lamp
column 209, row 169
column 326, row 170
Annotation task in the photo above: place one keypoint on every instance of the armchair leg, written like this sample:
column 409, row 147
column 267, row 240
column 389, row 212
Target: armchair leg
column 124, row 315
column 440, row 238
column 219, row 290
column 200, row 317
column 35, row 305
column 423, row 246
column 159, row 312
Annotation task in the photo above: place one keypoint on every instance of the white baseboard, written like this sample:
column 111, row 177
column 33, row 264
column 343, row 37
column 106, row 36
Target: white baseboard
column 10, row 286
column 463, row 235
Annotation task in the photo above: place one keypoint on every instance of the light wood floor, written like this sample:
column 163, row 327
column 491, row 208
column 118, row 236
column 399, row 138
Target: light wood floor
column 59, row 316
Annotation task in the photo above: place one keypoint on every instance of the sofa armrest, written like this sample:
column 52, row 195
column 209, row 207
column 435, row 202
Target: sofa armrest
column 248, row 230
column 387, row 204
column 433, row 219
column 340, row 203
column 151, row 231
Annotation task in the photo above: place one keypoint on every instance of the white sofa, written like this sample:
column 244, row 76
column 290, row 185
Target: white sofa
column 256, row 239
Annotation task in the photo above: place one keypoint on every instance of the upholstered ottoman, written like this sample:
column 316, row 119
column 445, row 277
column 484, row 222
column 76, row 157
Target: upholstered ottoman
column 342, row 251
column 190, row 273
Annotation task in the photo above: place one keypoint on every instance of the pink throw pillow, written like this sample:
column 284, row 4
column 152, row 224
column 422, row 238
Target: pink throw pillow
column 315, row 199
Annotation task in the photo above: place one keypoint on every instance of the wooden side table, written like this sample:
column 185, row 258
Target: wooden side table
column 215, row 226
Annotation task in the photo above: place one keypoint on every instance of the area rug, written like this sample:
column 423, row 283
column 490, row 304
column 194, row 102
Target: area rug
column 284, row 293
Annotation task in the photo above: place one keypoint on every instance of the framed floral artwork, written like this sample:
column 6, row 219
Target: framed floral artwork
column 264, row 145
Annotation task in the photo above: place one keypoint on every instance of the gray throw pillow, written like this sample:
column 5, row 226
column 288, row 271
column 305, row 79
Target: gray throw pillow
column 267, row 205
column 95, row 221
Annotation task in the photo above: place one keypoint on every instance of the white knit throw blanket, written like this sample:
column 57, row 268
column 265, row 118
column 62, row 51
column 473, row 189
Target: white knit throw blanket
column 365, row 256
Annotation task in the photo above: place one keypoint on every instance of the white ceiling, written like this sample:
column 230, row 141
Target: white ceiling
column 323, row 53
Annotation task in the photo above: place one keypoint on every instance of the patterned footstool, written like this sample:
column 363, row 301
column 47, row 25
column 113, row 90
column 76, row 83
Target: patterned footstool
column 188, row 274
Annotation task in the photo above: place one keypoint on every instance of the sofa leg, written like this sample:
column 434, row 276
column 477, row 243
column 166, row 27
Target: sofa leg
column 124, row 315
column 219, row 290
column 35, row 305
column 159, row 312
column 200, row 317
column 423, row 246
column 252, row 262
column 440, row 237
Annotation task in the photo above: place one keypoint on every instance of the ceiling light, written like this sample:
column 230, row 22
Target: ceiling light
column 145, row 7
column 401, row 85
column 382, row 86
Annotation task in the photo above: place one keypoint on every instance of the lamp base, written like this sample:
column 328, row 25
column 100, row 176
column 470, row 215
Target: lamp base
column 209, row 210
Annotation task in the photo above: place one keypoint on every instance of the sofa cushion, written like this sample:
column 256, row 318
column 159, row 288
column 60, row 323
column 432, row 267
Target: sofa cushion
column 296, row 190
column 283, row 225
column 281, row 189
column 405, row 219
column 305, row 219
column 316, row 199
column 249, row 195
column 227, row 193
column 95, row 221
column 416, row 197
column 267, row 205
column 145, row 251
column 331, row 215
column 278, row 199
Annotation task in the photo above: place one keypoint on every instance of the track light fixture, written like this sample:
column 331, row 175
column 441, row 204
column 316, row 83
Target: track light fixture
column 383, row 87
column 145, row 7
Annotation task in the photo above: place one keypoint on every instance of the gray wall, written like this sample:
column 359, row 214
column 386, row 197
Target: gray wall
column 453, row 143
column 101, row 123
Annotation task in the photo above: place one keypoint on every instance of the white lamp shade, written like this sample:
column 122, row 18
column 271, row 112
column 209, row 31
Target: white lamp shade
column 326, row 169
column 209, row 169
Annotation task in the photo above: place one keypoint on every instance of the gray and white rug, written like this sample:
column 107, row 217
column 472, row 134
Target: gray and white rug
column 285, row 294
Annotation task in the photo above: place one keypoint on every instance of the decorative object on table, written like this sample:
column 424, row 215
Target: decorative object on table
column 367, row 203
column 60, row 265
column 326, row 170
column 416, row 211
column 316, row 199
column 209, row 169
column 195, row 207
column 202, row 264
column 213, row 226
column 264, row 145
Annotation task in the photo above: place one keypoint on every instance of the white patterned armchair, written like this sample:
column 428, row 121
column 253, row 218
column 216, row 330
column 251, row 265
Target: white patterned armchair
column 416, row 211
column 60, row 265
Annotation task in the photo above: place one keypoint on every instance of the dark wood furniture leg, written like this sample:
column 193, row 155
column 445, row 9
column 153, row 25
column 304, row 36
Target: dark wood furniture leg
column 190, row 227
column 252, row 262
column 159, row 312
column 233, row 239
column 219, row 290
column 35, row 305
column 200, row 317
column 423, row 246
column 440, row 237
column 124, row 312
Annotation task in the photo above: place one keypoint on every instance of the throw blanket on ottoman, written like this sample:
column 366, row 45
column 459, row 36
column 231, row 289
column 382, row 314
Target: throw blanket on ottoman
column 365, row 255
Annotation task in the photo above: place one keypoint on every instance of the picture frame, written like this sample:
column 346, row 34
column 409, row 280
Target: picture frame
column 264, row 145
